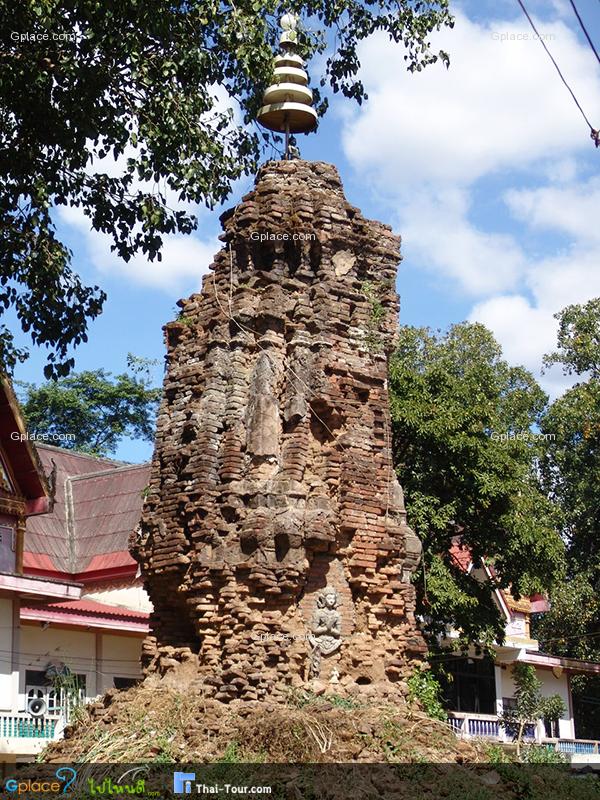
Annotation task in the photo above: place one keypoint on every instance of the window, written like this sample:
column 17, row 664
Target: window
column 125, row 683
column 37, row 685
column 38, row 678
column 551, row 727
column 509, row 703
column 470, row 685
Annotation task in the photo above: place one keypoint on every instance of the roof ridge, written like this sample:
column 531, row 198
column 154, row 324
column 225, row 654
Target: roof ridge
column 78, row 453
column 109, row 471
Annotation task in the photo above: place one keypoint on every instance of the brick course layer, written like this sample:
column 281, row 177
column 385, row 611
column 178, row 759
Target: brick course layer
column 272, row 473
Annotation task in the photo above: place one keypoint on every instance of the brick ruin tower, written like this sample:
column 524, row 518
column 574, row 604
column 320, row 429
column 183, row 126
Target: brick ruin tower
column 273, row 539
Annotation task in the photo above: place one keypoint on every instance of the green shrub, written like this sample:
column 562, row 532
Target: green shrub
column 542, row 754
column 346, row 703
column 424, row 687
column 496, row 754
column 231, row 754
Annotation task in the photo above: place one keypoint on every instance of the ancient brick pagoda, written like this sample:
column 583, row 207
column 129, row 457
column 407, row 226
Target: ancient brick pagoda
column 273, row 540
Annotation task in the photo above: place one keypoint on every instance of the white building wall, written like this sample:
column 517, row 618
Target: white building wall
column 132, row 597
column 99, row 656
column 498, row 681
column 120, row 658
column 76, row 649
column 553, row 685
column 8, row 677
column 550, row 685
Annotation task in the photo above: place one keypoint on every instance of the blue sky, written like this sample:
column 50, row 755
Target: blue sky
column 486, row 170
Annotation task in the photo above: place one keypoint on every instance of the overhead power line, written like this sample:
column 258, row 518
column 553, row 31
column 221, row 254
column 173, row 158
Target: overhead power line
column 595, row 134
column 584, row 29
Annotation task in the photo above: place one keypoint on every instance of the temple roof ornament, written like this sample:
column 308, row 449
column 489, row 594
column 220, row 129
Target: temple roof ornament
column 287, row 102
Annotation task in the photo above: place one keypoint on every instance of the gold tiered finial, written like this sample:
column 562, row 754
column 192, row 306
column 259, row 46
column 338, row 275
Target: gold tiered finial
column 287, row 103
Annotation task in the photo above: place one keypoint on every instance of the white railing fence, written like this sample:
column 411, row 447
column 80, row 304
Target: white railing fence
column 482, row 726
column 487, row 726
column 578, row 746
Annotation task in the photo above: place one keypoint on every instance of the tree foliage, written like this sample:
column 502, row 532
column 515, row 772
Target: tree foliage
column 572, row 466
column 93, row 411
column 84, row 84
column 466, row 458
column 571, row 473
column 578, row 340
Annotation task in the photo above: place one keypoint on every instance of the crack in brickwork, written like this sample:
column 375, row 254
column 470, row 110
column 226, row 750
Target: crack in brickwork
column 272, row 473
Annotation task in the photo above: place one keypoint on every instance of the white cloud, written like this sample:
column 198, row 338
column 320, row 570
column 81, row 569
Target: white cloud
column 560, row 170
column 566, row 277
column 527, row 334
column 500, row 105
column 561, row 7
column 424, row 140
column 571, row 277
column 571, row 208
column 526, row 325
column 437, row 231
column 523, row 330
column 184, row 258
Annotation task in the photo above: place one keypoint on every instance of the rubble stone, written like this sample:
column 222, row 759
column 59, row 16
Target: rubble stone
column 272, row 473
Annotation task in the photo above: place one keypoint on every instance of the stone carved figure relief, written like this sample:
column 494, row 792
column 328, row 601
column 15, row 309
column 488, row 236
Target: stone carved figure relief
column 325, row 630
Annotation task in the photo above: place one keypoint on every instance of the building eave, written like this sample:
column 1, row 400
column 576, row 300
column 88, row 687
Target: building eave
column 33, row 586
column 548, row 661
column 87, row 614
column 92, row 576
column 83, row 621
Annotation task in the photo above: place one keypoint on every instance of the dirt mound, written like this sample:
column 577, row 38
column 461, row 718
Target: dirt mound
column 158, row 723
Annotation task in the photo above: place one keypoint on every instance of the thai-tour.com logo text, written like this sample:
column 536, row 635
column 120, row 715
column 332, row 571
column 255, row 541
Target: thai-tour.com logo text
column 185, row 783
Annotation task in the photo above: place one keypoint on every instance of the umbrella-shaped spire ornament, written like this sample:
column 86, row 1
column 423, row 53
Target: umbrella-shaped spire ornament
column 287, row 102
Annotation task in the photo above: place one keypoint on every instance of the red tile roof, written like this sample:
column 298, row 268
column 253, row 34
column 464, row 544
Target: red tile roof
column 461, row 555
column 87, row 613
column 539, row 604
column 98, row 504
column 39, row 561
column 84, row 606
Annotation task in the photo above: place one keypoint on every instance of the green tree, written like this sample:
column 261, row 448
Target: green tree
column 529, row 704
column 572, row 464
column 571, row 473
column 85, row 83
column 92, row 411
column 467, row 461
